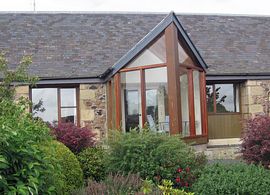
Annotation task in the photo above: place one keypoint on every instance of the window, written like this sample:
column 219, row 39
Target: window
column 154, row 54
column 222, row 98
column 184, row 102
column 60, row 104
column 145, row 101
column 143, row 94
column 157, row 114
column 183, row 56
column 131, row 96
column 197, row 102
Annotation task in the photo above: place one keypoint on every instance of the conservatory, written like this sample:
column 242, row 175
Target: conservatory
column 162, row 85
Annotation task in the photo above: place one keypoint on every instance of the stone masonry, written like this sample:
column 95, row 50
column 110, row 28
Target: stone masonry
column 255, row 98
column 93, row 108
column 22, row 91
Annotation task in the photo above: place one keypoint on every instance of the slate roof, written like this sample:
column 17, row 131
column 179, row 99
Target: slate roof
column 78, row 45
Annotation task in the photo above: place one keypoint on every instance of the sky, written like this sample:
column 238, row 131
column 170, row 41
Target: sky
column 242, row 7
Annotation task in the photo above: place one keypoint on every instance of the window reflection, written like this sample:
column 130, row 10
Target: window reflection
column 68, row 115
column 210, row 98
column 48, row 96
column 52, row 111
column 154, row 54
column 68, row 97
column 222, row 98
column 197, row 102
column 183, row 56
column 225, row 98
column 157, row 99
column 184, row 102
column 131, row 104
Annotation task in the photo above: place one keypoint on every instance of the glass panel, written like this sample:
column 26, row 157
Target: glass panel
column 197, row 102
column 184, row 102
column 157, row 99
column 225, row 101
column 68, row 97
column 113, row 105
column 68, row 115
column 154, row 54
column 183, row 56
column 48, row 96
column 131, row 101
column 237, row 106
column 210, row 98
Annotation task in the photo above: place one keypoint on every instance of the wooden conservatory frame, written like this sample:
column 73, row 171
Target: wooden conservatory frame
column 174, row 34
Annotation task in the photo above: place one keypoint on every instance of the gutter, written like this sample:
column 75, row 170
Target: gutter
column 238, row 76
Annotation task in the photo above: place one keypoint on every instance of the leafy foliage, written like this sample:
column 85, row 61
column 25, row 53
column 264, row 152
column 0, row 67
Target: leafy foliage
column 119, row 184
column 154, row 156
column 24, row 167
column 72, row 175
column 184, row 178
column 74, row 137
column 9, row 77
column 92, row 163
column 256, row 141
column 233, row 179
column 167, row 189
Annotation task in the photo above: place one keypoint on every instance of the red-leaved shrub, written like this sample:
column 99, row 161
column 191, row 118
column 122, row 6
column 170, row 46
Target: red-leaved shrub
column 256, row 141
column 74, row 137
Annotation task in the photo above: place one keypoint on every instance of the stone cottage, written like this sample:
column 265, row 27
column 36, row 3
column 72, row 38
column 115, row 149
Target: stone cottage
column 196, row 75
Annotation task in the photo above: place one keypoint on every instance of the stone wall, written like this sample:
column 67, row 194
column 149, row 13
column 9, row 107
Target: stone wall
column 255, row 98
column 22, row 91
column 93, row 108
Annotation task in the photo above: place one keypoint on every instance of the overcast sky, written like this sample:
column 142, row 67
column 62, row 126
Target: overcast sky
column 249, row 7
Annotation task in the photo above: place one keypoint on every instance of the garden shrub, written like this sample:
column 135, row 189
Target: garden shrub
column 74, row 137
column 72, row 175
column 120, row 184
column 167, row 189
column 256, row 141
column 236, row 178
column 117, row 184
column 154, row 156
column 92, row 163
column 24, row 166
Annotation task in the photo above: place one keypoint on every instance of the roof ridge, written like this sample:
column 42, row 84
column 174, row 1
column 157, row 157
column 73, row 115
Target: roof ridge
column 134, row 13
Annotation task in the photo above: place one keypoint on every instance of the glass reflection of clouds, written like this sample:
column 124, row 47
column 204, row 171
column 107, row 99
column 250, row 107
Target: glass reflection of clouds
column 49, row 99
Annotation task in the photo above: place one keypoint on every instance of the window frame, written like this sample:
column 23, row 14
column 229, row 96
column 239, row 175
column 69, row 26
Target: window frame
column 117, row 80
column 235, row 85
column 59, row 107
column 172, row 37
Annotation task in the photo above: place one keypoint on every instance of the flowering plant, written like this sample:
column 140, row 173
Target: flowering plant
column 183, row 178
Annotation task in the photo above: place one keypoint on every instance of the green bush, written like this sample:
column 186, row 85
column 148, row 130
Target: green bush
column 154, row 156
column 119, row 184
column 92, row 163
column 71, row 177
column 237, row 178
column 167, row 189
column 24, row 167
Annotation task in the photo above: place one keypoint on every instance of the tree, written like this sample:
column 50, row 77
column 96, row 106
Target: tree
column 10, row 78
